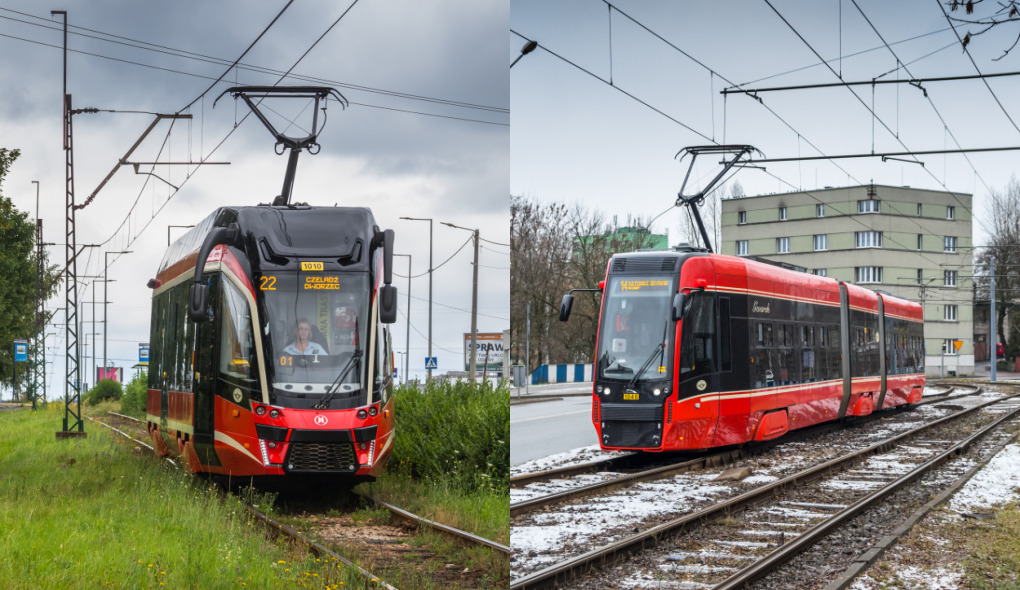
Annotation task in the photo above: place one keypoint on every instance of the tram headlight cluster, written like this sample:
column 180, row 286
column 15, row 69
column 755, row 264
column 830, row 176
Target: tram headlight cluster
column 603, row 390
column 260, row 410
column 362, row 414
column 274, row 413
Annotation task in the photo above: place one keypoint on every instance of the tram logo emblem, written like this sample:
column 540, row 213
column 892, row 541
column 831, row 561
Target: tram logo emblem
column 321, row 420
column 702, row 385
column 238, row 396
column 767, row 308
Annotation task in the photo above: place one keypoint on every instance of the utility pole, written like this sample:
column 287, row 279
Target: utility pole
column 39, row 347
column 407, row 334
column 106, row 281
column 473, row 350
column 73, row 425
column 429, row 378
column 995, row 343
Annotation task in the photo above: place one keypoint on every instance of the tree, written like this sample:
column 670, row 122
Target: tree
column 18, row 269
column 1004, row 213
column 1004, row 11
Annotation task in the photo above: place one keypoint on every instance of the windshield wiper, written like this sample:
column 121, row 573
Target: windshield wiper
column 334, row 389
column 660, row 350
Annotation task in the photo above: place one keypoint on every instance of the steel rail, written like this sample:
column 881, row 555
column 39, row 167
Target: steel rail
column 439, row 526
column 714, row 460
column 275, row 527
column 420, row 520
column 651, row 537
column 762, row 567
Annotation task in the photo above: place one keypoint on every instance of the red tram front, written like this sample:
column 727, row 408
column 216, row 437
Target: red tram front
column 270, row 353
column 698, row 350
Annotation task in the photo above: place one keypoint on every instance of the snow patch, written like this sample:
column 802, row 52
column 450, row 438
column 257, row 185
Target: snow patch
column 998, row 483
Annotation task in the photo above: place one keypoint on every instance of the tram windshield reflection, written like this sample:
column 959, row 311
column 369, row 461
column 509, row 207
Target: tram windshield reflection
column 635, row 328
column 316, row 330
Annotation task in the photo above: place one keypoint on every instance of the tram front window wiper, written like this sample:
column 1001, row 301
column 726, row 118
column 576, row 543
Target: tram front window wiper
column 334, row 389
column 659, row 350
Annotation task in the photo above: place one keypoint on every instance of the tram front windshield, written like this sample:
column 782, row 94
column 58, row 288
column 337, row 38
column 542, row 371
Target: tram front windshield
column 635, row 339
column 317, row 331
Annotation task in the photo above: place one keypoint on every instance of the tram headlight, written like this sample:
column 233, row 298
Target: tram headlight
column 260, row 410
column 606, row 391
column 362, row 414
column 656, row 392
column 274, row 413
column 598, row 389
column 373, row 411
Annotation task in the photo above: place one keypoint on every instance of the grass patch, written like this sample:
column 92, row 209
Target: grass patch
column 91, row 513
column 993, row 549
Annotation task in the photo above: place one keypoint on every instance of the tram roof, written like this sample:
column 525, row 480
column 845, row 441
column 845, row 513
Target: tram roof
column 289, row 231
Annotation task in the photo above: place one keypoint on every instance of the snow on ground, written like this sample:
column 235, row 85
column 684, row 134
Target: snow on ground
column 553, row 486
column 914, row 578
column 572, row 457
column 998, row 483
column 587, row 524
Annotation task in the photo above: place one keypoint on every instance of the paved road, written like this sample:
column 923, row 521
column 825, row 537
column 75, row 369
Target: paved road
column 545, row 428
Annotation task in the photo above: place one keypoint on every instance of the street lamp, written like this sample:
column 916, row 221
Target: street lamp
column 106, row 279
column 528, row 48
column 407, row 343
column 168, row 231
column 472, row 351
column 428, row 219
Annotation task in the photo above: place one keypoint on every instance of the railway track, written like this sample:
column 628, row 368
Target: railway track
column 704, row 461
column 762, row 540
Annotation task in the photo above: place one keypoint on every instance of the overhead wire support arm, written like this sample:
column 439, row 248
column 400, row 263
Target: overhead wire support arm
column 283, row 141
column 131, row 150
column 692, row 201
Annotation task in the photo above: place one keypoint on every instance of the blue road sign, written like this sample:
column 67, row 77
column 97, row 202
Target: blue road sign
column 21, row 350
column 431, row 363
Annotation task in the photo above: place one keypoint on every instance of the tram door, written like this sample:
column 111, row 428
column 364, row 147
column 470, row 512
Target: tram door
column 205, row 379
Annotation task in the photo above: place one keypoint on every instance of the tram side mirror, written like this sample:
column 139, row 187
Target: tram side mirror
column 387, row 304
column 198, row 302
column 565, row 306
column 678, row 306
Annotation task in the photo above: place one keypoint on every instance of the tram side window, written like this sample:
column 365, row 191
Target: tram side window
column 834, row 347
column 762, row 373
column 726, row 353
column 697, row 353
column 787, row 359
column 180, row 323
column 384, row 365
column 237, row 343
column 809, row 370
column 156, row 345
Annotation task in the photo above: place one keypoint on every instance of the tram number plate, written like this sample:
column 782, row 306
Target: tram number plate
column 311, row 266
column 630, row 396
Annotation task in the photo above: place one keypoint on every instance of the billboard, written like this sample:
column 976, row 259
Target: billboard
column 489, row 351
column 115, row 373
column 143, row 353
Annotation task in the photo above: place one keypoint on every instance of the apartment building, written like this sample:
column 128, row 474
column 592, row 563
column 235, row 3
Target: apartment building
column 913, row 243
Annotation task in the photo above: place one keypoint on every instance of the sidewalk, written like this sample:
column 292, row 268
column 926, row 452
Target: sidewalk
column 549, row 391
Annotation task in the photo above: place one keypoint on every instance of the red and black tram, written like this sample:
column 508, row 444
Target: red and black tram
column 698, row 350
column 270, row 354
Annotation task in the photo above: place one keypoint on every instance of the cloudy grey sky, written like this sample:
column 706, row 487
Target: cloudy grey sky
column 576, row 138
column 426, row 135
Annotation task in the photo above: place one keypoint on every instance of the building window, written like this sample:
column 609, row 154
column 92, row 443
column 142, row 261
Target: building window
column 821, row 242
column 868, row 274
column 783, row 245
column 920, row 276
column 869, row 206
column 742, row 217
column 869, row 239
column 742, row 247
column 822, row 272
column 918, row 209
column 782, row 214
column 950, row 212
column 949, row 244
column 950, row 315
column 949, row 280
column 948, row 347
column 820, row 210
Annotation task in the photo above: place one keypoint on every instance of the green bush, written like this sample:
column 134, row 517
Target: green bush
column 454, row 432
column 105, row 390
column 133, row 402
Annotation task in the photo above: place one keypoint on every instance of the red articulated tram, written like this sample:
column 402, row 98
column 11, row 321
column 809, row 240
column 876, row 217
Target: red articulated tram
column 698, row 350
column 269, row 350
